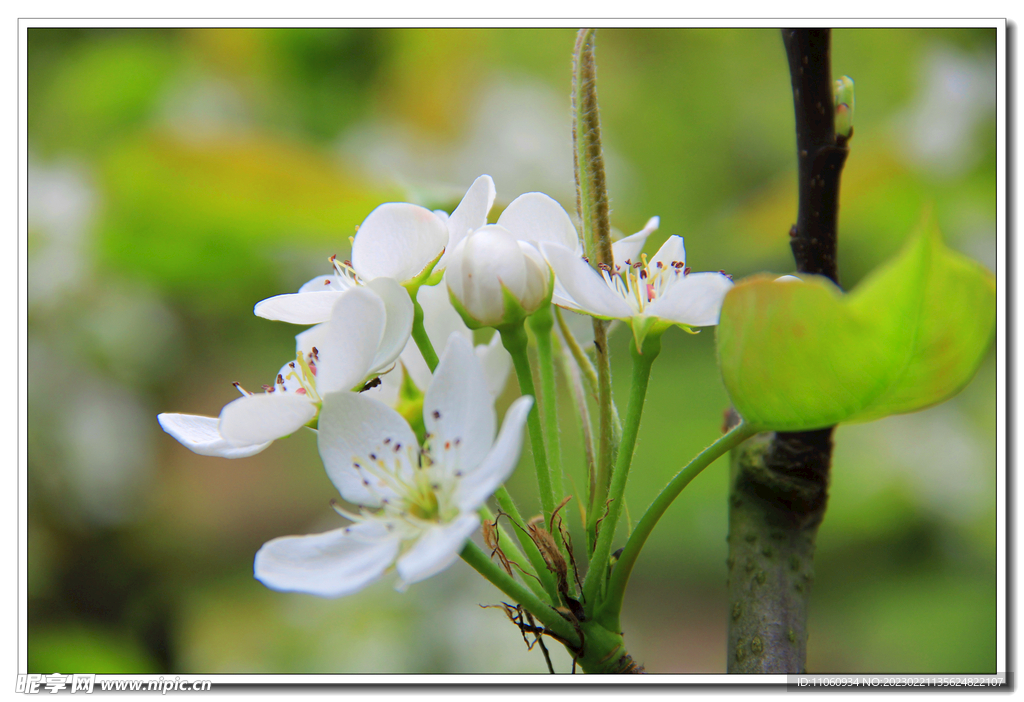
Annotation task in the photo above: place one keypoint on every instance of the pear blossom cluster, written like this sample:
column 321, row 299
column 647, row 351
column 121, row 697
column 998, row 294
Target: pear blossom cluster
column 414, row 452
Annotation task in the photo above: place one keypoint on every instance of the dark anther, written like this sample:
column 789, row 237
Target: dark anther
column 370, row 385
column 437, row 415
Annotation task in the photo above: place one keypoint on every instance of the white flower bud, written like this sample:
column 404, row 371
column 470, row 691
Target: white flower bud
column 495, row 280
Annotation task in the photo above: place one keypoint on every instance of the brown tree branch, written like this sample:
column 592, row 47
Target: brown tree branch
column 779, row 486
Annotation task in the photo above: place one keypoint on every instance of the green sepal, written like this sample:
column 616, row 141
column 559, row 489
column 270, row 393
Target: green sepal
column 644, row 326
column 802, row 355
column 427, row 276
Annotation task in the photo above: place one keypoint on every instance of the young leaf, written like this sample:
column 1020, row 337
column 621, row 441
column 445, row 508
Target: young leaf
column 799, row 354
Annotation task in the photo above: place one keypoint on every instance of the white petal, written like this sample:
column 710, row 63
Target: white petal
column 538, row 277
column 471, row 214
column 323, row 283
column 298, row 308
column 695, row 299
column 584, row 285
column 350, row 340
column 363, row 441
column 264, row 417
column 398, row 311
column 497, row 466
column 331, row 564
column 458, row 409
column 312, row 337
column 672, row 251
column 397, row 240
column 200, row 435
column 536, row 217
column 436, row 549
column 629, row 248
column 496, row 362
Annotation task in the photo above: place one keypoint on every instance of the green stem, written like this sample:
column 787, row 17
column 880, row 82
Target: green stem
column 542, row 322
column 547, row 579
column 515, row 341
column 624, row 566
column 542, row 611
column 419, row 334
column 607, row 445
column 642, row 362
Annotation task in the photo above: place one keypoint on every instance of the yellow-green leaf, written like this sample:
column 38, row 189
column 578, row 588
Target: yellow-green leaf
column 798, row 355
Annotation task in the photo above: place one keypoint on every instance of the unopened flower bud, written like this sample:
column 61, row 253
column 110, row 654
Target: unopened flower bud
column 844, row 103
column 495, row 280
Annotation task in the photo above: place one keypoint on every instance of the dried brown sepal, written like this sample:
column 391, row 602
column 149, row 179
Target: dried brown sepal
column 549, row 551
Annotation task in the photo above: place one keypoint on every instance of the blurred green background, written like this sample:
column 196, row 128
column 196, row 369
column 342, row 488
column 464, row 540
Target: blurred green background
column 179, row 176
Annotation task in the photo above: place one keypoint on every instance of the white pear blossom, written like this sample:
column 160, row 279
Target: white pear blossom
column 537, row 219
column 397, row 240
column 496, row 279
column 650, row 294
column 417, row 505
column 368, row 328
column 441, row 321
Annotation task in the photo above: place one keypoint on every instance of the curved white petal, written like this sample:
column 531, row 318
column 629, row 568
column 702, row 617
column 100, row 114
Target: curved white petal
column 584, row 285
column 695, row 299
column 672, row 251
column 458, row 409
column 200, row 435
column 538, row 218
column 366, row 447
column 475, row 487
column 323, row 283
column 436, row 549
column 350, row 340
column 331, row 564
column 471, row 214
column 298, row 308
column 264, row 417
column 496, row 362
column 397, row 240
column 398, row 313
column 538, row 277
column 629, row 248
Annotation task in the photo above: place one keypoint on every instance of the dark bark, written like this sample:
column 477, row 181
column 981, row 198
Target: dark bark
column 779, row 487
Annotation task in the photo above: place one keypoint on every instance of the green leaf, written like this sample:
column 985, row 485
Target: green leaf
column 800, row 355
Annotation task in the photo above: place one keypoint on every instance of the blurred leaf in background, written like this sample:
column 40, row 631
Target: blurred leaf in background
column 178, row 176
